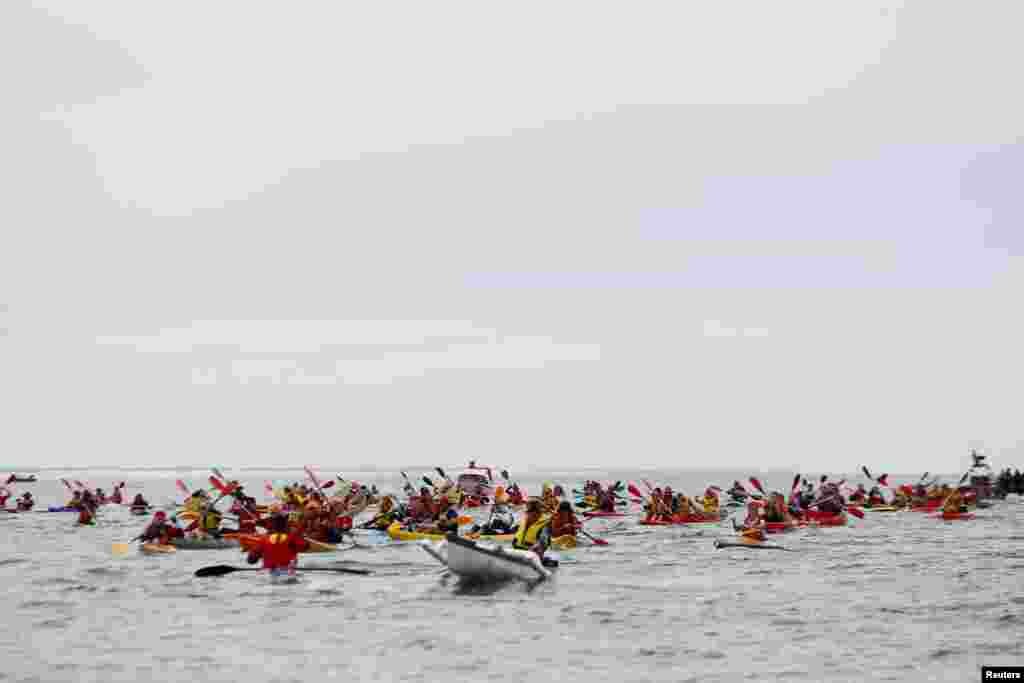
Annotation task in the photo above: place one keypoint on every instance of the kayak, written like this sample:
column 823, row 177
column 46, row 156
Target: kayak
column 882, row 508
column 61, row 509
column 813, row 518
column 951, row 516
column 207, row 543
column 485, row 562
column 677, row 521
column 600, row 513
column 754, row 545
column 778, row 527
column 157, row 549
column 397, row 533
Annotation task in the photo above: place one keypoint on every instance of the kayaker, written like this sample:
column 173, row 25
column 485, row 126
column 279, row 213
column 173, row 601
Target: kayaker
column 875, row 497
column 86, row 513
column 777, row 512
column 450, row 523
column 548, row 500
column 26, row 502
column 755, row 518
column 860, row 495
column 564, row 522
column 737, row 492
column 533, row 526
column 115, row 497
column 156, row 530
column 194, row 503
column 280, row 548
column 710, row 502
column 139, row 502
column 4, row 495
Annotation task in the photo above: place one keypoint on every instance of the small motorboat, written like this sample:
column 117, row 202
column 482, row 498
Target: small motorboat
column 479, row 561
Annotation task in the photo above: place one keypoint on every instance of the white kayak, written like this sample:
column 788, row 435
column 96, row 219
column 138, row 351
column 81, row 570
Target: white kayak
column 477, row 561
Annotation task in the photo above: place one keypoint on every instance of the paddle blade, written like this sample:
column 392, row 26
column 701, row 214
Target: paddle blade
column 864, row 469
column 925, row 476
column 964, row 478
column 404, row 476
column 634, row 491
column 884, row 480
column 181, row 487
column 120, row 549
column 757, row 485
column 441, row 472
column 216, row 570
column 328, row 484
column 504, row 475
column 796, row 484
column 217, row 484
column 856, row 512
column 823, row 479
column 428, row 481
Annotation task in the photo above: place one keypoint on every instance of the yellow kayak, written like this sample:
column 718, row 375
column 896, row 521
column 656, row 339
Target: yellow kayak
column 397, row 533
column 157, row 549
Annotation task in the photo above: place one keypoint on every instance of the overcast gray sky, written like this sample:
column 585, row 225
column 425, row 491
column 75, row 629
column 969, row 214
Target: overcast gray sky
column 681, row 233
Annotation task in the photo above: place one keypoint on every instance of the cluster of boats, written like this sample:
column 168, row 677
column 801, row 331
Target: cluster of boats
column 453, row 520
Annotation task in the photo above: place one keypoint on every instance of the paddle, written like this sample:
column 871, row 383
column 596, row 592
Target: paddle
column 443, row 475
column 224, row 569
column 597, row 541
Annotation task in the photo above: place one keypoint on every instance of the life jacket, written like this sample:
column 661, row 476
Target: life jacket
column 211, row 521
column 281, row 550
column 194, row 504
column 526, row 537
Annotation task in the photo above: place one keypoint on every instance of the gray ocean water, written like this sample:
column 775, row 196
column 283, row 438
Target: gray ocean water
column 896, row 597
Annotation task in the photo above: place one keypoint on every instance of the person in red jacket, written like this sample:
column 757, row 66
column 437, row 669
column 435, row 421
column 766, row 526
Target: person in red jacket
column 280, row 548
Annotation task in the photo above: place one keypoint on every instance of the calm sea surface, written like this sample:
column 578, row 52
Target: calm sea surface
column 900, row 597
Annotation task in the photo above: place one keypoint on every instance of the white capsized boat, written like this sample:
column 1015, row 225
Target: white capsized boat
column 486, row 562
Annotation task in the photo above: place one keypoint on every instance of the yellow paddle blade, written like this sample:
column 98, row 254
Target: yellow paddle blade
column 120, row 549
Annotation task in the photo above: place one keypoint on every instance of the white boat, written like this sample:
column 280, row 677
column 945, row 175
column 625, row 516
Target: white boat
column 477, row 561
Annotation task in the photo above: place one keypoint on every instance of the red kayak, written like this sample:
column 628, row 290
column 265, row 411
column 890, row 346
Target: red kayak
column 950, row 516
column 778, row 527
column 823, row 518
column 677, row 521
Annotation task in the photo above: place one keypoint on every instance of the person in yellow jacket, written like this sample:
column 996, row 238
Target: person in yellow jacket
column 534, row 528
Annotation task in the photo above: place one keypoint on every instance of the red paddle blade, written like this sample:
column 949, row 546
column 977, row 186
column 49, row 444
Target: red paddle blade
column 217, row 484
column 856, row 512
column 269, row 488
column 796, row 483
column 884, row 480
column 634, row 491
column 182, row 487
column 328, row 484
column 599, row 541
column 757, row 484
